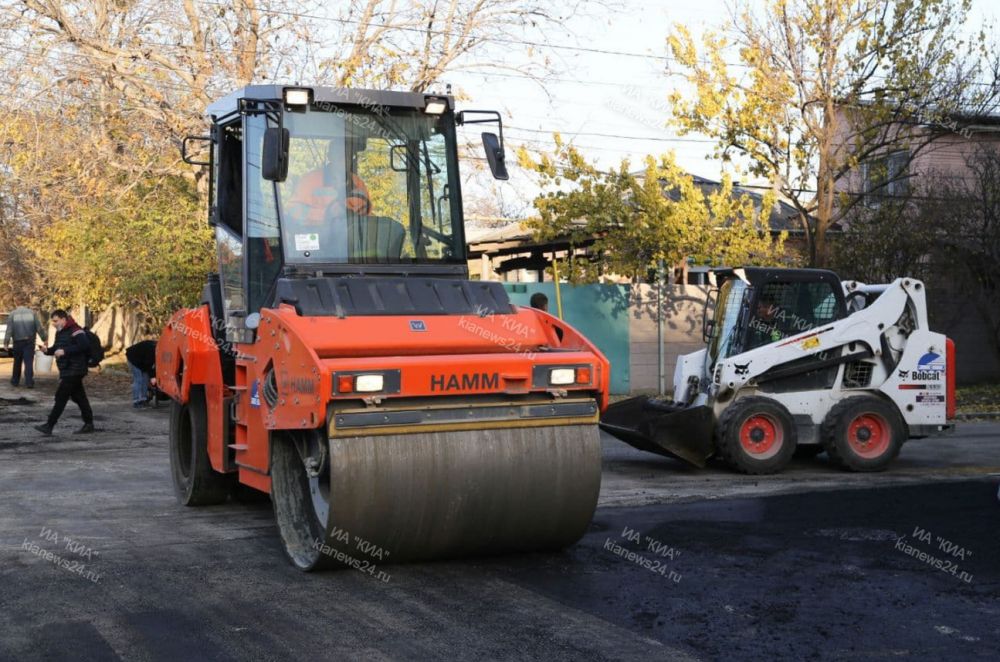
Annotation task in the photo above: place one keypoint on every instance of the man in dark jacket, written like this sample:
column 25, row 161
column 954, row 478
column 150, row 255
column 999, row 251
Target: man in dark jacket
column 22, row 327
column 142, row 360
column 72, row 351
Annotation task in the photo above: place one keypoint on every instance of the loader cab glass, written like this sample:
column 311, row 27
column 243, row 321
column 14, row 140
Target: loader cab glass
column 787, row 308
column 723, row 330
column 753, row 314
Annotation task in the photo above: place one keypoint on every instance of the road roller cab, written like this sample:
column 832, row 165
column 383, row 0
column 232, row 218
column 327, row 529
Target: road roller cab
column 341, row 359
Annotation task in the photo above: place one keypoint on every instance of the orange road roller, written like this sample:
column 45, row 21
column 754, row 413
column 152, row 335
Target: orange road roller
column 342, row 361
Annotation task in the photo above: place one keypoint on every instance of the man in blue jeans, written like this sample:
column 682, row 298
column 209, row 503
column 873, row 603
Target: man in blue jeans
column 142, row 360
column 22, row 327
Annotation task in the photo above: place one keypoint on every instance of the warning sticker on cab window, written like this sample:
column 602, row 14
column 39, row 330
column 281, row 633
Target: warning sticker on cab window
column 810, row 343
column 307, row 242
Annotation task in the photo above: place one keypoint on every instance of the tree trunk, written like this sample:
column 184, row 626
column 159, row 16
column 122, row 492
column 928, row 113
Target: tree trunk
column 118, row 328
column 819, row 248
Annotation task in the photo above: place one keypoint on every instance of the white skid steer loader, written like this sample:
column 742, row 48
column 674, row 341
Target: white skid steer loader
column 798, row 358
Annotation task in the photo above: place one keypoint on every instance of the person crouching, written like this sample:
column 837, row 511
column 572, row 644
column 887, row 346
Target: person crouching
column 142, row 361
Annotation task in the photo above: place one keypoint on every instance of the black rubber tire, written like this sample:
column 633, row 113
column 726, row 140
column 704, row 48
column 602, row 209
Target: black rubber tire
column 195, row 482
column 301, row 530
column 808, row 451
column 727, row 436
column 835, row 433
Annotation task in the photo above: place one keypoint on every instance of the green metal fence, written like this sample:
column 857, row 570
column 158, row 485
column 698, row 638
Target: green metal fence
column 599, row 312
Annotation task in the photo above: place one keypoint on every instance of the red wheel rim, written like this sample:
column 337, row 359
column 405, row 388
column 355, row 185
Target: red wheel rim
column 761, row 436
column 869, row 435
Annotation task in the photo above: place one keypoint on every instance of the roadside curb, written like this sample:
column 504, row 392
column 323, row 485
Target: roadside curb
column 989, row 415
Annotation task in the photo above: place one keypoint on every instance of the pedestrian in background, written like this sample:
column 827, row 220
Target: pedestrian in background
column 540, row 301
column 72, row 351
column 142, row 360
column 22, row 327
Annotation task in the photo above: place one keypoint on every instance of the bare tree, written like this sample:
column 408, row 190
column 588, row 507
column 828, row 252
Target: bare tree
column 155, row 64
column 390, row 43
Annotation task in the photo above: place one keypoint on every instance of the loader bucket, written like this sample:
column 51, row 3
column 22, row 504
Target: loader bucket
column 663, row 428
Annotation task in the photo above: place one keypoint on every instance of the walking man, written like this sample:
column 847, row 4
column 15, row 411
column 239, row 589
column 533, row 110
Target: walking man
column 22, row 327
column 72, row 350
column 142, row 360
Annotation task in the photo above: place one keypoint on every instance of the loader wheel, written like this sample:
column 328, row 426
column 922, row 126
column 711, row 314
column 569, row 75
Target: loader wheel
column 196, row 483
column 863, row 433
column 756, row 436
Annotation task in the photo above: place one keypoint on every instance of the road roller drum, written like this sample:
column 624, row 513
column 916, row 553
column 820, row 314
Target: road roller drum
column 412, row 497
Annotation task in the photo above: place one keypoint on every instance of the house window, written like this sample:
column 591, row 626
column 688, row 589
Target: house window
column 885, row 176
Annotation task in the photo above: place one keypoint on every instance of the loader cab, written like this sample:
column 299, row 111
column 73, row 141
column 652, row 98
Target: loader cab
column 325, row 183
column 755, row 307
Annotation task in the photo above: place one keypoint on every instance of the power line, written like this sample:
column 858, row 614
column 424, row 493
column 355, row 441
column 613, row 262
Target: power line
column 424, row 31
column 517, row 42
column 614, row 135
column 79, row 69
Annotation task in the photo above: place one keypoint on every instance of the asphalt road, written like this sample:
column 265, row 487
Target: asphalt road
column 100, row 563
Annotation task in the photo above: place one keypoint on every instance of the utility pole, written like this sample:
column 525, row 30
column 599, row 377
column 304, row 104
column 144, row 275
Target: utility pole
column 660, row 354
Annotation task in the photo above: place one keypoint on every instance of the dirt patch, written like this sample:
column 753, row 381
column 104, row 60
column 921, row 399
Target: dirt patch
column 6, row 402
column 112, row 381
